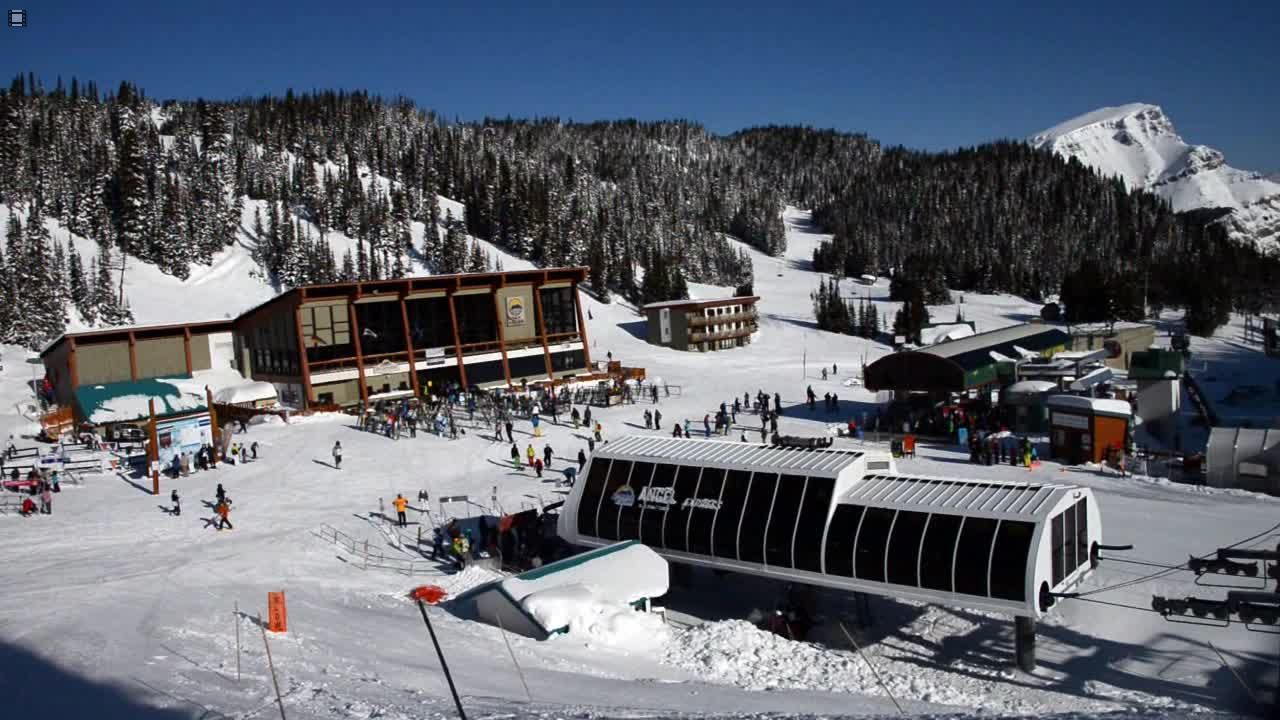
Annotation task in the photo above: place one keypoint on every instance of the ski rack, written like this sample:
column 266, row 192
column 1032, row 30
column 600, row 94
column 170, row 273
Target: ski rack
column 1247, row 607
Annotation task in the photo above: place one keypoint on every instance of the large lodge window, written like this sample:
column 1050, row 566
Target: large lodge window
column 429, row 323
column 273, row 344
column 724, row 531
column 381, row 327
column 477, row 318
column 559, row 314
column 326, row 330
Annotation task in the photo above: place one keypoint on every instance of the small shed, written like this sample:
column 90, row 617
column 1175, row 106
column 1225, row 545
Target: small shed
column 545, row 601
column 1083, row 429
column 1025, row 404
column 1247, row 458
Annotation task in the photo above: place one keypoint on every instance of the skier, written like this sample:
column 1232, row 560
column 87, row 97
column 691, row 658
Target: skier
column 586, row 417
column 223, row 509
column 177, row 507
column 529, row 453
column 220, row 494
column 535, row 420
column 834, row 371
column 400, row 504
column 777, row 402
column 582, row 460
column 253, row 449
column 706, row 425
column 515, row 457
column 576, row 417
column 675, row 431
column 686, row 428
column 537, row 467
column 337, row 455
column 824, row 373
column 657, row 419
column 546, row 455
column 46, row 500
column 648, row 420
column 507, row 426
column 437, row 543
column 599, row 429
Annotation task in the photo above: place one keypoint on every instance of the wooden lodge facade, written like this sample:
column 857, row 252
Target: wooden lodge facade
column 346, row 343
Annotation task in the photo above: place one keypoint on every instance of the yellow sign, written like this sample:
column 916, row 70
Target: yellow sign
column 515, row 311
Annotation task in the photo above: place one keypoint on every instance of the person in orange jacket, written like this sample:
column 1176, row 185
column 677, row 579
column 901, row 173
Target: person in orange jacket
column 400, row 504
column 224, row 511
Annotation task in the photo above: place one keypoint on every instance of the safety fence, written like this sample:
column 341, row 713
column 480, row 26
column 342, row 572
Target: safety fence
column 371, row 557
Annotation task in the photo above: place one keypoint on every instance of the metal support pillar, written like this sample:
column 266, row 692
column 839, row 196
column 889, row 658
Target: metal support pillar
column 1024, row 643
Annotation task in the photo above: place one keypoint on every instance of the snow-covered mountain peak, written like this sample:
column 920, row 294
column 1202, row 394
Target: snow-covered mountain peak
column 1137, row 142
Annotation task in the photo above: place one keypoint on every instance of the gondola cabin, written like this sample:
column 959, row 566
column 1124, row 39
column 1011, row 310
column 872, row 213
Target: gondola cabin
column 838, row 518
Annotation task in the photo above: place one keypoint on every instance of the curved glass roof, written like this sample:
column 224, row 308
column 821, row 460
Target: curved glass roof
column 984, row 498
column 826, row 462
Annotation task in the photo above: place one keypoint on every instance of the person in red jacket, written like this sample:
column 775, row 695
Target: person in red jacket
column 224, row 511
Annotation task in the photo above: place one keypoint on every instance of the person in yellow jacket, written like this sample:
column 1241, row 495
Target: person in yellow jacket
column 400, row 504
column 529, row 453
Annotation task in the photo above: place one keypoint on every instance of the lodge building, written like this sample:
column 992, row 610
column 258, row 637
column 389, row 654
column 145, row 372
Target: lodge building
column 702, row 325
column 346, row 343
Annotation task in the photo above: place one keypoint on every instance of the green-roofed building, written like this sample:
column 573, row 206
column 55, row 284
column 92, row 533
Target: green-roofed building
column 964, row 364
column 121, row 402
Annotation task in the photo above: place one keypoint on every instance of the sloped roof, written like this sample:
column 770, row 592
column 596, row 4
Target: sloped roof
column 712, row 453
column 984, row 498
column 975, row 351
column 127, row 401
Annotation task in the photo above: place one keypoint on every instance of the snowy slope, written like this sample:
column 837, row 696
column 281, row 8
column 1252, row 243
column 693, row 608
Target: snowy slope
column 1138, row 143
column 126, row 612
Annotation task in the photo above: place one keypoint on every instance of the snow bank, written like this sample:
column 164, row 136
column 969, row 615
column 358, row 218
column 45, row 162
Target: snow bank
column 618, row 577
column 250, row 392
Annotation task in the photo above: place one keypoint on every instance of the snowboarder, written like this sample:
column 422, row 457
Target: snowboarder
column 657, row 419
column 177, row 507
column 546, row 455
column 515, row 457
column 337, row 455
column 582, row 460
column 400, row 504
column 223, row 508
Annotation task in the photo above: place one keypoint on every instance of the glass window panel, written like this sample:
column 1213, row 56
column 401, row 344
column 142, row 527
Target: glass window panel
column 677, row 515
column 840, row 536
column 973, row 555
column 904, row 548
column 812, row 522
column 782, row 521
column 873, row 539
column 631, row 524
column 1009, row 560
column 755, row 517
column 1082, row 531
column 429, row 323
column 724, row 531
column 1055, row 545
column 592, row 493
column 939, row 552
column 381, row 328
column 477, row 318
column 1069, row 561
column 617, row 494
column 703, row 510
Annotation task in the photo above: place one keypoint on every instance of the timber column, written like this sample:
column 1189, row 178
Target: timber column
column 457, row 340
column 542, row 327
column 355, row 337
column 502, row 332
column 305, row 366
column 408, row 344
column 582, row 326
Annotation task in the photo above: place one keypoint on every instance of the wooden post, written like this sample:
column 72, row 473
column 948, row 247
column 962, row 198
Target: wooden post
column 302, row 355
column 215, row 430
column 457, row 341
column 355, row 336
column 542, row 328
column 279, row 701
column 408, row 343
column 133, row 356
column 237, row 616
column 582, row 326
column 502, row 333
column 72, row 370
column 153, row 453
column 186, row 346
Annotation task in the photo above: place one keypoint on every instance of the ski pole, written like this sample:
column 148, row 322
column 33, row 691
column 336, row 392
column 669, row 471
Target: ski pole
column 444, row 665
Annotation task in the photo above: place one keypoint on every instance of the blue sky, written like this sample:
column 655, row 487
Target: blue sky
column 928, row 75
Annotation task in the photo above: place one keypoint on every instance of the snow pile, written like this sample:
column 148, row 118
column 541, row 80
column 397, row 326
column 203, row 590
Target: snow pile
column 588, row 616
column 131, row 407
column 470, row 578
column 250, row 392
column 615, row 576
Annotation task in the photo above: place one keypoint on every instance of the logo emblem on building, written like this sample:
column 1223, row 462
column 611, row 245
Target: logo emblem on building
column 624, row 496
column 515, row 311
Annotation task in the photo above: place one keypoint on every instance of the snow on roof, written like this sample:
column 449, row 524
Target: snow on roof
column 246, row 393
column 943, row 333
column 127, row 401
column 621, row 573
column 1100, row 406
column 1031, row 387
